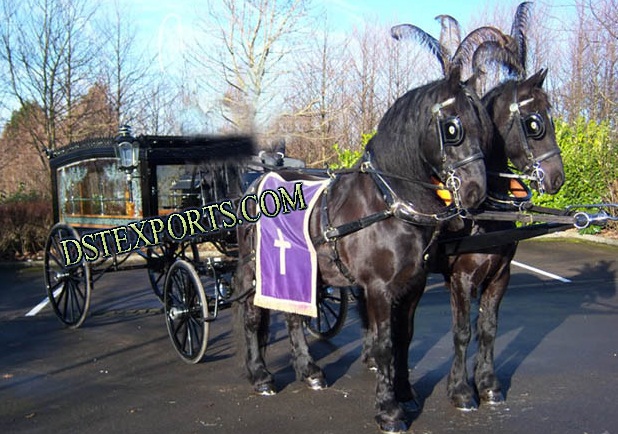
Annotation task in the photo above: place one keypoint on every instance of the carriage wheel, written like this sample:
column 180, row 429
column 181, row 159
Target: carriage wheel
column 332, row 312
column 159, row 259
column 186, row 311
column 68, row 287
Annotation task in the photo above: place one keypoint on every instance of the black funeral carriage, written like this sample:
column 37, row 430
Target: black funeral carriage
column 106, row 183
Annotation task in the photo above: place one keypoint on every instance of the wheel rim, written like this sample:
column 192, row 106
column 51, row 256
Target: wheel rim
column 68, row 287
column 332, row 312
column 186, row 311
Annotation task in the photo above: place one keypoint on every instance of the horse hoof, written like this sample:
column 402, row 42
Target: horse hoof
column 316, row 383
column 492, row 397
column 411, row 406
column 372, row 365
column 393, row 427
column 464, row 405
column 266, row 389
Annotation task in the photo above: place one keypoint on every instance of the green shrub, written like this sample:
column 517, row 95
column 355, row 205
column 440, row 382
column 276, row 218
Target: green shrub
column 346, row 158
column 589, row 157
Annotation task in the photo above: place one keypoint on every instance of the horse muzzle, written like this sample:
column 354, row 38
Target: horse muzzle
column 468, row 185
column 548, row 175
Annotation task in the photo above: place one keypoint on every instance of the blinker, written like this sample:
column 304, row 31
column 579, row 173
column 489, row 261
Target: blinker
column 452, row 131
column 534, row 126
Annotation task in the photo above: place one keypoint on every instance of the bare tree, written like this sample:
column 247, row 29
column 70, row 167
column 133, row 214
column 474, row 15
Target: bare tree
column 591, row 90
column 251, row 42
column 369, row 59
column 125, row 65
column 46, row 48
column 316, row 99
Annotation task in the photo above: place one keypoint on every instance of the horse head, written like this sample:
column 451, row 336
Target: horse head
column 519, row 108
column 521, row 114
column 462, row 133
column 435, row 133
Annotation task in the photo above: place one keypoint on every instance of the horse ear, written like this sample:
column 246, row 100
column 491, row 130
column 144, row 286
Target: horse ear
column 454, row 77
column 538, row 78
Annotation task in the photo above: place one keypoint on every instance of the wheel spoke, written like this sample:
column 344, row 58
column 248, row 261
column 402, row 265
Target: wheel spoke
column 68, row 288
column 326, row 306
column 332, row 311
column 328, row 323
column 52, row 256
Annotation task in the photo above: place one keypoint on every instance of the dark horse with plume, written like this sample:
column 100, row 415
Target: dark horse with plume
column 372, row 228
column 523, row 135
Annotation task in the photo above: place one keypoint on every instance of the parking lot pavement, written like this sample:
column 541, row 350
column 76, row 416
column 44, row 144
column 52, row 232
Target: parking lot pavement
column 556, row 356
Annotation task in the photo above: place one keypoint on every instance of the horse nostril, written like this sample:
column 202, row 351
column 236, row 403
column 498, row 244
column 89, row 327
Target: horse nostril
column 556, row 182
column 474, row 196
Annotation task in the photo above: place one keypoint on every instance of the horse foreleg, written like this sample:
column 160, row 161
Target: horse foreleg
column 256, row 322
column 304, row 365
column 459, row 390
column 390, row 416
column 403, row 332
column 369, row 334
column 485, row 378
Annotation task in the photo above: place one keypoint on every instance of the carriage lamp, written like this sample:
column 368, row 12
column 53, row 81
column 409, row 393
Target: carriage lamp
column 127, row 151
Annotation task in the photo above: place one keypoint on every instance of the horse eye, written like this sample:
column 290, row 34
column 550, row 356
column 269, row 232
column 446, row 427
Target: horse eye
column 452, row 131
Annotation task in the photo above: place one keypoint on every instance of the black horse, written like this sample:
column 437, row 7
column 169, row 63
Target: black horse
column 373, row 229
column 524, row 134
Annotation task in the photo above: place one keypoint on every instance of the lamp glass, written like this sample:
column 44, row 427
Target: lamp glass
column 128, row 154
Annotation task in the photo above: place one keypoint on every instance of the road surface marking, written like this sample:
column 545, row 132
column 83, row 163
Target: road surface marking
column 39, row 307
column 541, row 272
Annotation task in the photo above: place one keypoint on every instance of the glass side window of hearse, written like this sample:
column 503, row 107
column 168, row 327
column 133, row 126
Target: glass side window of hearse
column 96, row 187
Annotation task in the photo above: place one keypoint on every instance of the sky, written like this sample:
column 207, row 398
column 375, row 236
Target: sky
column 166, row 26
column 154, row 19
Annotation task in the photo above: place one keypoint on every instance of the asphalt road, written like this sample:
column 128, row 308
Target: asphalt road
column 556, row 355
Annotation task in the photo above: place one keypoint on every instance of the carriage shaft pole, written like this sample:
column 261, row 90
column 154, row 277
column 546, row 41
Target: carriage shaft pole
column 478, row 243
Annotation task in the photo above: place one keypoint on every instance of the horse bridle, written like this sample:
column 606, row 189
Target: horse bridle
column 531, row 126
column 451, row 133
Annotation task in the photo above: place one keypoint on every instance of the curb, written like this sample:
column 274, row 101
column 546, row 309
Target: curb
column 573, row 235
column 18, row 265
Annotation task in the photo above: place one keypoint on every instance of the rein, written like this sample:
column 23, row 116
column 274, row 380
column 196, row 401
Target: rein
column 450, row 133
column 395, row 206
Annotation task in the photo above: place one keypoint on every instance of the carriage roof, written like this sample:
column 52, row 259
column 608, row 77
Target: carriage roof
column 88, row 190
column 159, row 149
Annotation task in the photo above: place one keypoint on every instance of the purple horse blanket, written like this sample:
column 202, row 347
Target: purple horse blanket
column 286, row 261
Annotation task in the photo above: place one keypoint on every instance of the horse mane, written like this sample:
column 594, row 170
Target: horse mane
column 395, row 146
column 402, row 134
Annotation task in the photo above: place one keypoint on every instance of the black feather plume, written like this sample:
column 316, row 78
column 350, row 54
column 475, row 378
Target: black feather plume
column 450, row 34
column 410, row 31
column 519, row 29
column 474, row 39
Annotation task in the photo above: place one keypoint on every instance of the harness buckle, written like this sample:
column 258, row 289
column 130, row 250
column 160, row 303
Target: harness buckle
column 453, row 183
column 539, row 176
